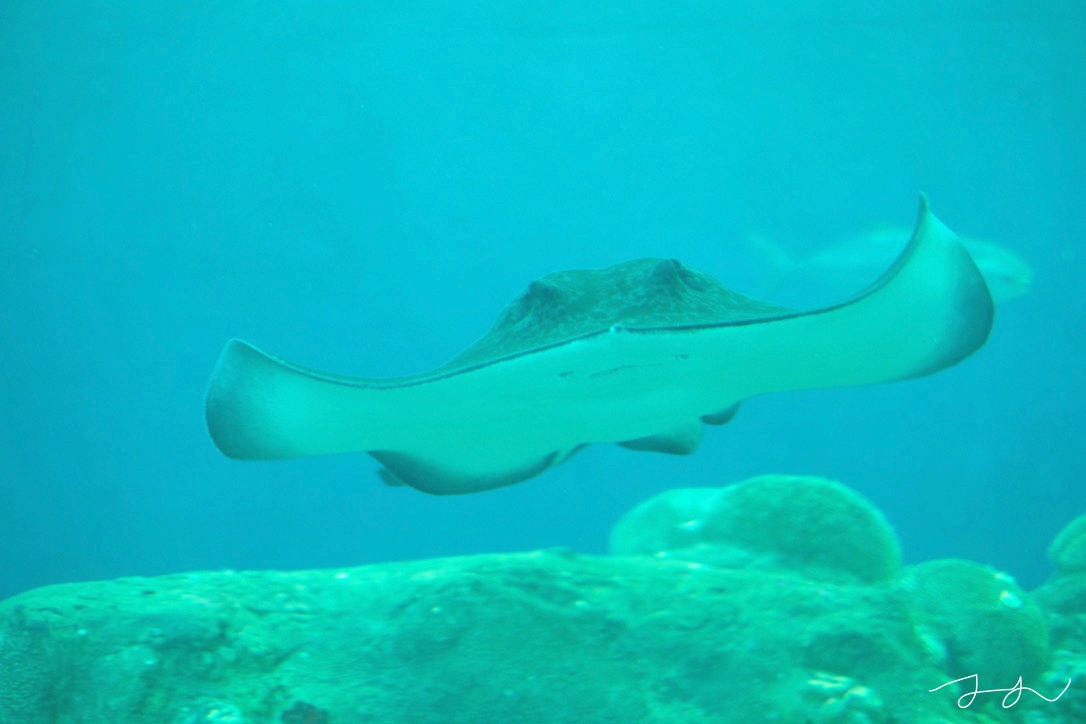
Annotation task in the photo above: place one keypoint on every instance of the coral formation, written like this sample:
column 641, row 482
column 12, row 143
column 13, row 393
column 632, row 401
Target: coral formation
column 987, row 625
column 779, row 598
column 1068, row 550
column 810, row 524
column 1063, row 599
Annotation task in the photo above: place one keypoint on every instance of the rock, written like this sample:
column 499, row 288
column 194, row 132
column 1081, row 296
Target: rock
column 1063, row 599
column 1068, row 550
column 985, row 623
column 533, row 637
column 816, row 526
column 777, row 599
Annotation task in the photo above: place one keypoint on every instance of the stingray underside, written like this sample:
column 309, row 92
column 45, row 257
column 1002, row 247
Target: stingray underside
column 642, row 354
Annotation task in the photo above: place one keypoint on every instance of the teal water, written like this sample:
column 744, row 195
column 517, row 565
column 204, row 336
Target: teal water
column 362, row 187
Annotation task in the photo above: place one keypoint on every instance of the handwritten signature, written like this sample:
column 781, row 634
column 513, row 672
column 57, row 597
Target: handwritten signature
column 1010, row 696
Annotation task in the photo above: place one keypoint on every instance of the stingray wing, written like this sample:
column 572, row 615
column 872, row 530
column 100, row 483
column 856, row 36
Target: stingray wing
column 502, row 420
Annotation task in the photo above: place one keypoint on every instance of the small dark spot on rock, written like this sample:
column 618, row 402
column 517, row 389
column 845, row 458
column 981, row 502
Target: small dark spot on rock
column 302, row 713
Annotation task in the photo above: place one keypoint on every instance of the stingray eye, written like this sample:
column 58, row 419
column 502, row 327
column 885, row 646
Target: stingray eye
column 617, row 329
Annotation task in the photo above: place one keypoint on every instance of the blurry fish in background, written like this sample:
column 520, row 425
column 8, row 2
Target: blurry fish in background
column 837, row 270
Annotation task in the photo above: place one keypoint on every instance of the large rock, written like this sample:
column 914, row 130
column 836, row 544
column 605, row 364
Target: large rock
column 535, row 637
column 777, row 599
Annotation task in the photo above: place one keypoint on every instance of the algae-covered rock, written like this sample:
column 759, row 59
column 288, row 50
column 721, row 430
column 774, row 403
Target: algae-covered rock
column 984, row 623
column 535, row 637
column 814, row 525
column 672, row 524
column 1063, row 599
column 1068, row 550
column 1064, row 594
column 771, row 603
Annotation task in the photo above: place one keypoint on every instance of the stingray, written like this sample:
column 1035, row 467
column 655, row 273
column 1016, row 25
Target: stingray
column 642, row 354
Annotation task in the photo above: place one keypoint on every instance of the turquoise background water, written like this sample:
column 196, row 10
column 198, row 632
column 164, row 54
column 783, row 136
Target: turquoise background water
column 362, row 187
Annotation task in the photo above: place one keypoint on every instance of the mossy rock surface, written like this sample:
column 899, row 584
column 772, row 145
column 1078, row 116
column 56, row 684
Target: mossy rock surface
column 1068, row 550
column 988, row 625
column 812, row 525
column 532, row 637
column 777, row 599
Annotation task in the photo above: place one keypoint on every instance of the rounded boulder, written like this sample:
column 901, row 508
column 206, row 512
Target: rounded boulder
column 816, row 526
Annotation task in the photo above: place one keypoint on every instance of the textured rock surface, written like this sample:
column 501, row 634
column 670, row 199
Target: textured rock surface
column 979, row 616
column 805, row 523
column 1068, row 550
column 755, row 632
column 529, row 637
column 1063, row 600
